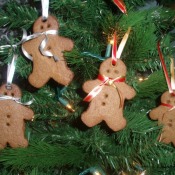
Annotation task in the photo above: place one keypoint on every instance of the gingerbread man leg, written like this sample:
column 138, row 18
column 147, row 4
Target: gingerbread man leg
column 36, row 78
column 90, row 118
column 64, row 75
column 18, row 142
column 116, row 123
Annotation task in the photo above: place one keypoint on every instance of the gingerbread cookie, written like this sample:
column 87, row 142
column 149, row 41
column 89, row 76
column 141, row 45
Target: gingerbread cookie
column 44, row 67
column 108, row 104
column 12, row 117
column 167, row 100
column 168, row 131
column 165, row 114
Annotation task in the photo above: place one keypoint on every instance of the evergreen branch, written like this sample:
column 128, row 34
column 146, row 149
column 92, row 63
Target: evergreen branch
column 149, row 88
column 43, row 155
column 15, row 16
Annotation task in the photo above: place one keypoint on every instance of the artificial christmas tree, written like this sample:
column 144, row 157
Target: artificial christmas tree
column 59, row 142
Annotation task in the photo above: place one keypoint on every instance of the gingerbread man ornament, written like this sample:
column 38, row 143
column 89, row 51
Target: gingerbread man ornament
column 165, row 114
column 45, row 67
column 12, row 116
column 108, row 104
column 167, row 102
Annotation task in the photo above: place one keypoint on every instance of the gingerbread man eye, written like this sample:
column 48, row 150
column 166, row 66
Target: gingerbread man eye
column 116, row 71
column 41, row 27
column 48, row 25
column 168, row 101
column 12, row 94
column 5, row 93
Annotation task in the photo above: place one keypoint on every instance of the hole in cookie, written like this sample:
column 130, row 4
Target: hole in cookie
column 41, row 27
column 106, row 95
column 8, row 124
column 168, row 101
column 108, row 71
column 8, row 116
column 48, row 25
column 103, row 103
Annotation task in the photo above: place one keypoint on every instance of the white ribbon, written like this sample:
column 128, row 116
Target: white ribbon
column 11, row 70
column 123, row 42
column 42, row 45
column 14, row 45
column 45, row 9
column 17, row 100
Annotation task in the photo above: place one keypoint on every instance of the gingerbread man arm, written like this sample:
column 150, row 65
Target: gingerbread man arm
column 89, row 85
column 157, row 113
column 26, row 112
column 28, row 46
column 127, row 91
column 66, row 44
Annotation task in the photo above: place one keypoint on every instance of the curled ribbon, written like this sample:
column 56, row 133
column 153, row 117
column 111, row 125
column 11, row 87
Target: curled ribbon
column 17, row 100
column 105, row 81
column 33, row 36
column 42, row 45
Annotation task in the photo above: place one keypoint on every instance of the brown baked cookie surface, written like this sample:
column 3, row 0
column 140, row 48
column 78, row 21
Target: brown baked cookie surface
column 45, row 67
column 108, row 104
column 165, row 114
column 12, row 116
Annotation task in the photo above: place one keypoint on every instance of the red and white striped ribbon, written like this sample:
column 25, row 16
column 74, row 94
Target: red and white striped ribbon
column 116, row 53
column 164, row 68
column 114, row 50
column 168, row 105
column 105, row 81
column 121, row 5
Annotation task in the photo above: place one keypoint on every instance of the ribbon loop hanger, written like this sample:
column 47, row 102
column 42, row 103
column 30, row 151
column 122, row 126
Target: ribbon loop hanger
column 116, row 53
column 45, row 9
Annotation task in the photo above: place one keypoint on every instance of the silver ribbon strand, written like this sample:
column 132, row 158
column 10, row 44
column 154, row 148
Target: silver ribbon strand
column 33, row 36
column 14, row 46
column 42, row 45
column 11, row 70
column 45, row 9
column 17, row 100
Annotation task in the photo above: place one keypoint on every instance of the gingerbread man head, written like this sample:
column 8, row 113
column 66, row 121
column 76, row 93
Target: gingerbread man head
column 14, row 91
column 42, row 26
column 112, row 71
column 168, row 98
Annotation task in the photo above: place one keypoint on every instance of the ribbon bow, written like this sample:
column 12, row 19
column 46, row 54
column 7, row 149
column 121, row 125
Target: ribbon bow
column 105, row 81
column 42, row 45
